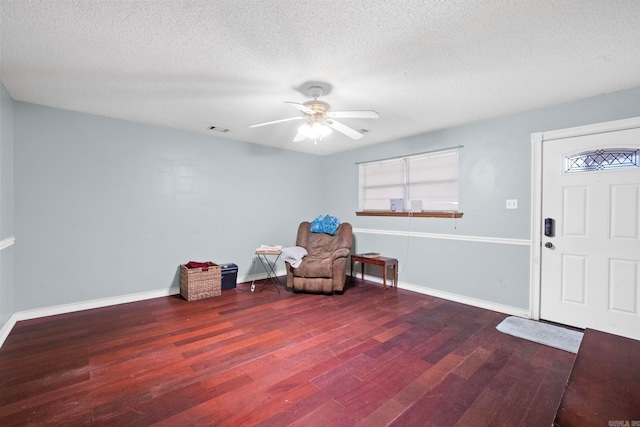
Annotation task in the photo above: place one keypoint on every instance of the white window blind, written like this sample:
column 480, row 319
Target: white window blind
column 382, row 181
column 431, row 178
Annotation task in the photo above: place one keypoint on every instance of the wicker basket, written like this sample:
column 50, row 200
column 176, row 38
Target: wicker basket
column 198, row 283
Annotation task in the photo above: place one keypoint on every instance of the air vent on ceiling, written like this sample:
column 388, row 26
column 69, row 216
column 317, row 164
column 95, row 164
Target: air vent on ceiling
column 218, row 129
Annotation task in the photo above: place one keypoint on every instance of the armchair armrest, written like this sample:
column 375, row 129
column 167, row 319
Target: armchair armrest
column 340, row 253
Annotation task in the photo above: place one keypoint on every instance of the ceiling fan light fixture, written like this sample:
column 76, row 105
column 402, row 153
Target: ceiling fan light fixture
column 320, row 120
column 315, row 129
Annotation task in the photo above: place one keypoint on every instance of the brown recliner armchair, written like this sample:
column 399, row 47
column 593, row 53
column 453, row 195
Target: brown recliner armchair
column 324, row 268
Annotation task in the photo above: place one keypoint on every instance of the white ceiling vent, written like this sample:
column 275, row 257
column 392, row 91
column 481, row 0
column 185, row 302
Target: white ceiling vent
column 218, row 129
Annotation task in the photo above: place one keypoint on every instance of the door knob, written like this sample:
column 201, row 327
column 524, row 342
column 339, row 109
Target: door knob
column 548, row 245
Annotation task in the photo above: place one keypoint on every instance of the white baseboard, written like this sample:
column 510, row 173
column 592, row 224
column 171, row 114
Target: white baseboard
column 487, row 305
column 6, row 328
column 102, row 302
column 105, row 302
column 79, row 306
column 259, row 276
column 96, row 303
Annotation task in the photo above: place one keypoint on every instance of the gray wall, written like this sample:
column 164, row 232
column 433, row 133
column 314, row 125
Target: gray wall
column 107, row 208
column 495, row 165
column 7, row 306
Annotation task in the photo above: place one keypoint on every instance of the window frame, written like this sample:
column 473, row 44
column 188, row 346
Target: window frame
column 405, row 161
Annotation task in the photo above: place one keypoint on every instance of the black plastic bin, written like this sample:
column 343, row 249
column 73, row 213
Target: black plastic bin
column 229, row 275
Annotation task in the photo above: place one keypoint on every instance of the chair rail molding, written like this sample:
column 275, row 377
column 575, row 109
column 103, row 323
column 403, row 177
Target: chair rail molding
column 5, row 243
column 477, row 239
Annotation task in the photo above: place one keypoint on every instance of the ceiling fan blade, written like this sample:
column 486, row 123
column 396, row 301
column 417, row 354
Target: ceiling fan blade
column 276, row 121
column 351, row 133
column 301, row 107
column 362, row 114
column 299, row 137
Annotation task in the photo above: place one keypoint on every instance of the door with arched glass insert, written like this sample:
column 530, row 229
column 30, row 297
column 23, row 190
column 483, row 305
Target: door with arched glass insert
column 590, row 259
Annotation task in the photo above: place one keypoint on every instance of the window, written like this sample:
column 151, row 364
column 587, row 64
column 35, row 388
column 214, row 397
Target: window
column 422, row 183
column 597, row 160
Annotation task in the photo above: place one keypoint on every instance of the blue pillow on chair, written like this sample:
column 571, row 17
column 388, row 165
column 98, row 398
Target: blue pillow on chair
column 325, row 224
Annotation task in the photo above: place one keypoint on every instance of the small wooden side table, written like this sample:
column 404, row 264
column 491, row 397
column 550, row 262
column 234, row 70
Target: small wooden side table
column 382, row 261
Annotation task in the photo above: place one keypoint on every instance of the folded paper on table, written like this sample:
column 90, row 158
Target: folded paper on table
column 269, row 249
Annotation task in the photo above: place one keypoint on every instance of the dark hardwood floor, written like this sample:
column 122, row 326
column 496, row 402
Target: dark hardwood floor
column 604, row 385
column 365, row 358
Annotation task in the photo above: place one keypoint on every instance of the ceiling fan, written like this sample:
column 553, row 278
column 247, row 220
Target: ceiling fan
column 320, row 119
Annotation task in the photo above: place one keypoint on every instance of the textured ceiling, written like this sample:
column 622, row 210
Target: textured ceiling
column 422, row 65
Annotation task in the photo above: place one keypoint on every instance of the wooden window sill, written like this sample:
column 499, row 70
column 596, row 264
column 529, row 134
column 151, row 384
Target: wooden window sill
column 423, row 214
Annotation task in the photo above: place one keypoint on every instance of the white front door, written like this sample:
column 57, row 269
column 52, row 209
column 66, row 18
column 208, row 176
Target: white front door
column 590, row 265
